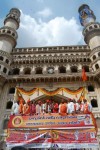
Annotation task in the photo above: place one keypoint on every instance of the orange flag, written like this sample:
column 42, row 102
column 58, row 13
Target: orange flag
column 84, row 76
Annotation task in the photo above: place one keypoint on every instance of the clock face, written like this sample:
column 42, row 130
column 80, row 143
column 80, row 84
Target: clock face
column 50, row 70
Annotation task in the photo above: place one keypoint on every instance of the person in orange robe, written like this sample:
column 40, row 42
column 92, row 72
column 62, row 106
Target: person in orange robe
column 21, row 104
column 86, row 107
column 63, row 108
column 26, row 109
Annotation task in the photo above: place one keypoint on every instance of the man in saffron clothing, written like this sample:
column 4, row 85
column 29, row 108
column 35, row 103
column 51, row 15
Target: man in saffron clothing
column 63, row 108
column 26, row 109
column 21, row 105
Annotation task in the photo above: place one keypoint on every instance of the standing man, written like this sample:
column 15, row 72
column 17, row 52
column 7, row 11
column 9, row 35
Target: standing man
column 71, row 107
column 87, row 107
column 43, row 106
column 55, row 107
column 63, row 108
column 32, row 108
column 38, row 108
column 15, row 108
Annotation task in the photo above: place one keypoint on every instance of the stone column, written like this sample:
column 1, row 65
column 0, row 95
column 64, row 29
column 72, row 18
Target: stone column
column 21, row 70
column 44, row 69
column 56, row 69
column 3, row 101
column 79, row 68
column 33, row 70
column 97, row 90
column 68, row 68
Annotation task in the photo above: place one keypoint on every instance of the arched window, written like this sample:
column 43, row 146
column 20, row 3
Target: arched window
column 39, row 70
column 84, row 59
column 10, row 72
column 62, row 69
column 9, row 31
column 91, row 88
column 86, row 30
column 16, row 71
column 4, row 70
column 94, row 103
column 5, row 124
column 90, row 27
column 99, row 54
column 27, row 71
column 86, row 68
column 73, row 69
column 1, row 58
column 94, row 57
column 97, row 66
column 9, row 105
column 12, row 90
column 95, row 26
column 7, row 61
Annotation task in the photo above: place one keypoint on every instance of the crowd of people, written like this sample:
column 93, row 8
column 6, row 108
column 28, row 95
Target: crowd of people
column 49, row 106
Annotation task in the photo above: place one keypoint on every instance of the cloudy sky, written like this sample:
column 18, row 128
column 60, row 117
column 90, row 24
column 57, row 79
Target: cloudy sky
column 48, row 22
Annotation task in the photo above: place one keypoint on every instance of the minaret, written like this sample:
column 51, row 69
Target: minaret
column 91, row 34
column 8, row 40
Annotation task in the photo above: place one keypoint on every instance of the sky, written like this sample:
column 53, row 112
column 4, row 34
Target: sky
column 48, row 22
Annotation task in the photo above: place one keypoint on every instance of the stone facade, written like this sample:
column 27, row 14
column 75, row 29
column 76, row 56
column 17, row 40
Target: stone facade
column 46, row 67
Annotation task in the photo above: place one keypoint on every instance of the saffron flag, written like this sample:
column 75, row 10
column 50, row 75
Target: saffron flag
column 84, row 76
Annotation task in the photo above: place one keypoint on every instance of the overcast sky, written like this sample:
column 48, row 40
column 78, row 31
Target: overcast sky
column 48, row 22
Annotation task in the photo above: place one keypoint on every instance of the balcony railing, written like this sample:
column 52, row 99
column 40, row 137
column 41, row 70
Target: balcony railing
column 46, row 75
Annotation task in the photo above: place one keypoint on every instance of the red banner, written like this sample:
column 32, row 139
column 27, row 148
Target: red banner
column 52, row 121
column 84, row 138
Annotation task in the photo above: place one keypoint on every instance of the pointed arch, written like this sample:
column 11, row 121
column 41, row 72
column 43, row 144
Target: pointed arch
column 9, row 105
column 39, row 70
column 27, row 70
column 62, row 69
column 16, row 71
column 74, row 69
column 94, row 103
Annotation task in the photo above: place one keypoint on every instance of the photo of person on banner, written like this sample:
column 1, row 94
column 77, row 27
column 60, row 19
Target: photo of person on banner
column 87, row 120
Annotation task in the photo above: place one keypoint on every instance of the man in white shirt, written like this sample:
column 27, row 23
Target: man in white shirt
column 15, row 108
column 43, row 106
column 77, row 106
column 38, row 108
column 71, row 107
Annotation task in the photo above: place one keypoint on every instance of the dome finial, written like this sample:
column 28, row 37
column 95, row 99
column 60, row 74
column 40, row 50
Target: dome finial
column 86, row 15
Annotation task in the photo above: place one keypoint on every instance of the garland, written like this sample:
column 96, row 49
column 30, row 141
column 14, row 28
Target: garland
column 49, row 93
